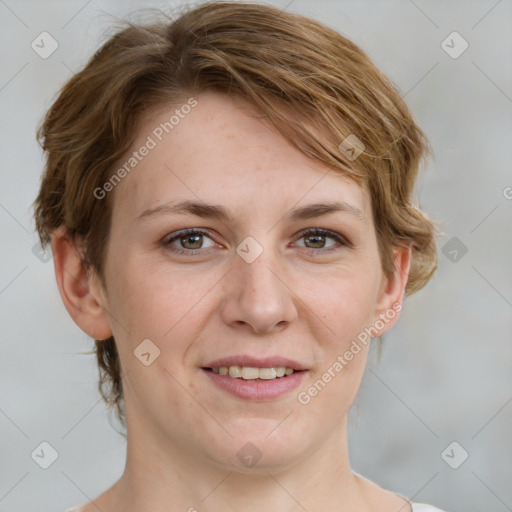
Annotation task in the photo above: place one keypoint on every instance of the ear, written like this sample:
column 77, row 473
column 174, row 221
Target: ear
column 80, row 290
column 392, row 291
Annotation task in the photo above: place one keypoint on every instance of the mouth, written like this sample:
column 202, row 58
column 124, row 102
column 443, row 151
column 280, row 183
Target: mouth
column 255, row 379
column 253, row 372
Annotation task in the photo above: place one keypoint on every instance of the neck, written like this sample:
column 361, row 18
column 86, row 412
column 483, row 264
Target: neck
column 161, row 475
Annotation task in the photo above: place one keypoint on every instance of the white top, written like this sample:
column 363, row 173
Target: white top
column 423, row 507
column 416, row 507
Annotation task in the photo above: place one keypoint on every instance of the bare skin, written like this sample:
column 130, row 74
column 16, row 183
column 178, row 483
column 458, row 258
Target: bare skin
column 377, row 499
column 296, row 299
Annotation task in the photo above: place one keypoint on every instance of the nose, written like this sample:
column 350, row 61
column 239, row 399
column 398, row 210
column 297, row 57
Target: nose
column 258, row 298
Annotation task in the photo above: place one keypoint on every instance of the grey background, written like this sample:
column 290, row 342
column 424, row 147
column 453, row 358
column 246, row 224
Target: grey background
column 445, row 371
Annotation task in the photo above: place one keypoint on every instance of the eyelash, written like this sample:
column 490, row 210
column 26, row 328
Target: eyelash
column 310, row 231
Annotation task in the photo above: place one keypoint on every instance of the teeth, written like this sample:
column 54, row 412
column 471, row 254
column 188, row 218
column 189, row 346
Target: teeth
column 268, row 373
column 235, row 371
column 251, row 373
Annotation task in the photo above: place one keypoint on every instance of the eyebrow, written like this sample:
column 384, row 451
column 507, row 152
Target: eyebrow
column 218, row 212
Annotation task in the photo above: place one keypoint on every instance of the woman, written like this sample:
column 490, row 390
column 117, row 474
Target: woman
column 229, row 201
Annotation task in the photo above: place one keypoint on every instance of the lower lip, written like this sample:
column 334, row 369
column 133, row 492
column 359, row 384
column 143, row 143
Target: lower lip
column 257, row 390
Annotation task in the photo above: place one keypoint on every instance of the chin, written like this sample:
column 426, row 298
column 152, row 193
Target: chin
column 258, row 449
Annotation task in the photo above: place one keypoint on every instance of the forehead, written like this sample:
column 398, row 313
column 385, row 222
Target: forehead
column 221, row 150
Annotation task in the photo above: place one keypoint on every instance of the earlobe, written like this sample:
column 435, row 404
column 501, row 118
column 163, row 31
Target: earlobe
column 80, row 295
column 392, row 291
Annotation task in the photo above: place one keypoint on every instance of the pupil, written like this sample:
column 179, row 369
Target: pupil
column 317, row 237
column 191, row 237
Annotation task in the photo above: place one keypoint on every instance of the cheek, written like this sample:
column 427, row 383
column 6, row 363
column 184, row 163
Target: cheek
column 345, row 307
column 345, row 304
column 156, row 300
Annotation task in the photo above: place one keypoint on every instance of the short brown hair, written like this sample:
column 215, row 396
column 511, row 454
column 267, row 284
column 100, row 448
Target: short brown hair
column 313, row 84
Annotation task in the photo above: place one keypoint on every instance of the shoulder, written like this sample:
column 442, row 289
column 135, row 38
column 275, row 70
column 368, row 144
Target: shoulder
column 423, row 507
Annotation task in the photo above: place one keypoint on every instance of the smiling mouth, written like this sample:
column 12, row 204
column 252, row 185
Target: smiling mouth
column 253, row 373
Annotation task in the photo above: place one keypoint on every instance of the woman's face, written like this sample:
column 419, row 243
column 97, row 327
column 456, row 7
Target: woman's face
column 257, row 288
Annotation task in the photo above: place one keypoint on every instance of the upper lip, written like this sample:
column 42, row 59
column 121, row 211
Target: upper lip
column 255, row 362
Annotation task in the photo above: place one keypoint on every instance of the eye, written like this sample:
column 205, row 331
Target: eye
column 190, row 241
column 316, row 237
